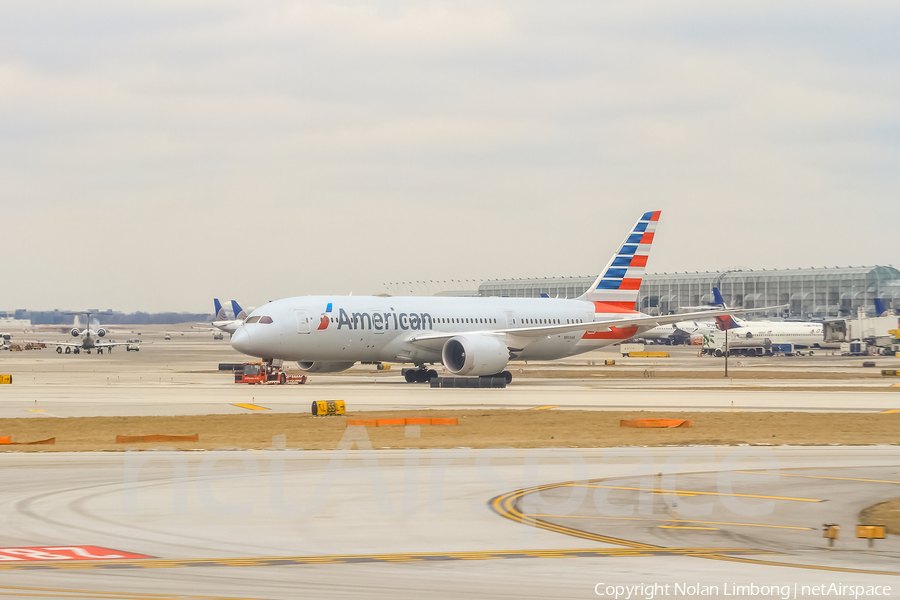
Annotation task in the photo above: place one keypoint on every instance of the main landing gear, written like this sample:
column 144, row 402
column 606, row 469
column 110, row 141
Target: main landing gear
column 420, row 375
column 423, row 375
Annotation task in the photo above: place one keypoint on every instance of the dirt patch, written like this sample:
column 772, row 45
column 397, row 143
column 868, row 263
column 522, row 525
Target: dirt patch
column 476, row 429
column 884, row 513
column 657, row 373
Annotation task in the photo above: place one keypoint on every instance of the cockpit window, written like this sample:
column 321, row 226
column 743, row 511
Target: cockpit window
column 265, row 319
column 252, row 320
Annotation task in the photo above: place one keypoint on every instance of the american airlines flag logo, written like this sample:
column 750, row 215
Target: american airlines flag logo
column 627, row 268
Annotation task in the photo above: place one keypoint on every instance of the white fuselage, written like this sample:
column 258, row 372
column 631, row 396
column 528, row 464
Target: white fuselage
column 227, row 326
column 372, row 328
column 751, row 334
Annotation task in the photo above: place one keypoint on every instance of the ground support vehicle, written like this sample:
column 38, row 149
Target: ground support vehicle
column 262, row 372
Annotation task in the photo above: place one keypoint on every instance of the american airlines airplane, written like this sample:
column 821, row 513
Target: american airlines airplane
column 469, row 336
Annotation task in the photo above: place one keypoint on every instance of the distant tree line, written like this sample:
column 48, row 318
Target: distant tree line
column 56, row 317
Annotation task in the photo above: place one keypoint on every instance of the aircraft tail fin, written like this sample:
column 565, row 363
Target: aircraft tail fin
column 718, row 300
column 239, row 313
column 617, row 287
column 220, row 312
column 880, row 308
column 726, row 322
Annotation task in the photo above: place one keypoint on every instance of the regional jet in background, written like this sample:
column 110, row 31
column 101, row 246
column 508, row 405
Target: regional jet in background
column 470, row 336
column 681, row 332
column 763, row 334
column 89, row 338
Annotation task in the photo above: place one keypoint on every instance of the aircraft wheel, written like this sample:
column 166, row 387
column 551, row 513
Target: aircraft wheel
column 59, row 349
column 68, row 350
column 410, row 376
column 430, row 374
column 508, row 376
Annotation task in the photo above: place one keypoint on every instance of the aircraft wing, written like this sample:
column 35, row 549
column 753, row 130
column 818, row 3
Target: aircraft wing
column 531, row 333
column 70, row 344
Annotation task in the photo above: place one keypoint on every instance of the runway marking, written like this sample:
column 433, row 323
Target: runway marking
column 693, row 493
column 686, row 527
column 250, row 406
column 66, row 593
column 676, row 521
column 821, row 477
column 893, row 410
column 268, row 561
column 505, row 506
column 543, row 407
column 35, row 410
column 771, row 563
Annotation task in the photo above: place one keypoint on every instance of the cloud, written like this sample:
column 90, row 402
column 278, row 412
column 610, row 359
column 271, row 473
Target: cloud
column 167, row 145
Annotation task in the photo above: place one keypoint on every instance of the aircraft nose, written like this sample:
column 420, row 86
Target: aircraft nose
column 240, row 340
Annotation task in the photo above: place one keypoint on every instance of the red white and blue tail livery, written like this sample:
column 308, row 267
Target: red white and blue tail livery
column 616, row 289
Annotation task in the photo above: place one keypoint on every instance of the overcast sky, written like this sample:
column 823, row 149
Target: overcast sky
column 154, row 155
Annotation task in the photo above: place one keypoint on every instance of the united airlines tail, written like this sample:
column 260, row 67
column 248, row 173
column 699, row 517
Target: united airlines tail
column 220, row 312
column 616, row 289
column 726, row 322
column 239, row 313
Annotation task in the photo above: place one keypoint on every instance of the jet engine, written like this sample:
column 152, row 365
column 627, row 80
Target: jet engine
column 101, row 332
column 324, row 367
column 75, row 332
column 475, row 355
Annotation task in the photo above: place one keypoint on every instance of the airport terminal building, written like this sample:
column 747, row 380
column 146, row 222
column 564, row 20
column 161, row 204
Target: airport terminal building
column 817, row 293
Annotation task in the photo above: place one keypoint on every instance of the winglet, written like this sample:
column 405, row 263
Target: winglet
column 726, row 322
column 718, row 299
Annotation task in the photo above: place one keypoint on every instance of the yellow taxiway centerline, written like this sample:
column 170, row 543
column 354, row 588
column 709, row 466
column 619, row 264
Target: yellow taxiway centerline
column 821, row 477
column 674, row 521
column 693, row 493
column 250, row 406
column 65, row 593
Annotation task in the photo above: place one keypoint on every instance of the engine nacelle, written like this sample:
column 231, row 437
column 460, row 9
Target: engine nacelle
column 475, row 355
column 75, row 332
column 101, row 332
column 324, row 367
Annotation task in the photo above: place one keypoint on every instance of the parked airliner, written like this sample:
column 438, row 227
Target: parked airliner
column 222, row 322
column 470, row 336
column 762, row 334
column 681, row 332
